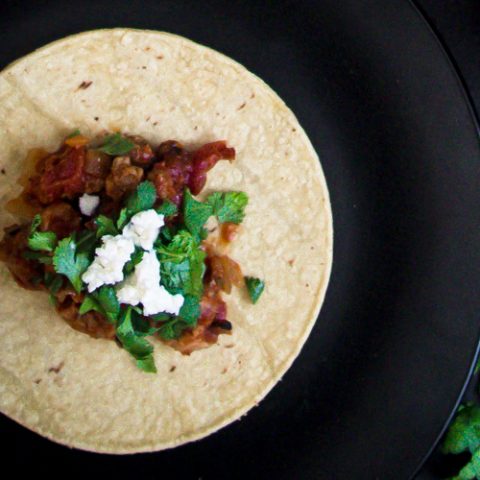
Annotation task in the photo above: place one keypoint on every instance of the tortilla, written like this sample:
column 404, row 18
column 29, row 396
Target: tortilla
column 87, row 393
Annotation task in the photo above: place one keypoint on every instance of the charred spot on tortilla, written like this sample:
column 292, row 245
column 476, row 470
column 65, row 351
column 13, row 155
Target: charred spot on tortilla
column 84, row 85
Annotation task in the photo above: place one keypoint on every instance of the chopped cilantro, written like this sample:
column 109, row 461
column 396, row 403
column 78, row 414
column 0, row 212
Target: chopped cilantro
column 228, row 206
column 86, row 241
column 142, row 199
column 135, row 259
column 167, row 208
column 105, row 226
column 122, row 218
column 195, row 213
column 41, row 241
column 90, row 303
column 68, row 262
column 172, row 329
column 37, row 256
column 73, row 134
column 116, row 144
column 182, row 265
column 190, row 310
column 104, row 300
column 134, row 343
column 107, row 298
column 255, row 288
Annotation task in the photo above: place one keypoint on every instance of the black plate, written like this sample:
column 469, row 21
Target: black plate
column 390, row 354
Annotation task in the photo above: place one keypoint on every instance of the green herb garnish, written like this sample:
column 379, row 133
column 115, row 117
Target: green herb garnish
column 41, row 241
column 134, row 343
column 228, row 206
column 67, row 261
column 105, row 226
column 167, row 208
column 73, row 134
column 116, row 144
column 255, row 288
column 195, row 213
column 143, row 198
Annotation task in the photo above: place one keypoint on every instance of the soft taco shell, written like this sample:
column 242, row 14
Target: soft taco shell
column 87, row 393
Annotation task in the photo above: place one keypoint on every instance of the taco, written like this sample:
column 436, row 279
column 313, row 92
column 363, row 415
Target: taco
column 170, row 208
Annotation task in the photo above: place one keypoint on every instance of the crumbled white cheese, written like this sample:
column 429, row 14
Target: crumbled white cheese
column 143, row 228
column 107, row 266
column 88, row 203
column 143, row 286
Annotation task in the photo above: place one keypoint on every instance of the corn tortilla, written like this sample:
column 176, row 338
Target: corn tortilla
column 87, row 393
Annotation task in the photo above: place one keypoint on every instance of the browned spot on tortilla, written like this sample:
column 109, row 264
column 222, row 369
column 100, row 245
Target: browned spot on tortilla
column 291, row 261
column 155, row 123
column 230, row 345
column 159, row 57
column 147, row 49
column 57, row 368
column 3, row 171
column 294, row 129
column 172, row 368
column 224, row 370
column 242, row 105
column 37, row 381
column 195, row 127
column 84, row 85
column 312, row 248
column 96, row 119
column 147, row 119
column 252, row 95
column 307, row 285
column 144, row 67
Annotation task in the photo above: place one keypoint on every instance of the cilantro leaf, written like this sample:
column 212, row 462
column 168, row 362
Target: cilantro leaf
column 107, row 298
column 122, row 218
column 142, row 199
column 53, row 282
column 167, row 208
column 464, row 432
column 472, row 469
column 86, row 241
column 190, row 310
column 135, row 259
column 182, row 265
column 135, row 344
column 41, row 241
column 172, row 329
column 195, row 213
column 37, row 256
column 255, row 288
column 68, row 262
column 105, row 226
column 116, row 144
column 73, row 134
column 90, row 303
column 229, row 206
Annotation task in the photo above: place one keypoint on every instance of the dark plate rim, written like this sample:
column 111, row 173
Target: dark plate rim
column 462, row 85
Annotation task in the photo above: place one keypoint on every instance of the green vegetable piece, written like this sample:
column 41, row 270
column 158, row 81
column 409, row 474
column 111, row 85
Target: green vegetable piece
column 105, row 226
column 41, row 241
column 135, row 344
column 68, row 262
column 135, row 259
column 142, row 199
column 172, row 329
column 190, row 310
column 73, row 134
column 195, row 213
column 472, row 469
column 255, row 288
column 229, row 206
column 122, row 218
column 107, row 298
column 464, row 433
column 167, row 208
column 37, row 256
column 90, row 303
column 86, row 241
column 116, row 144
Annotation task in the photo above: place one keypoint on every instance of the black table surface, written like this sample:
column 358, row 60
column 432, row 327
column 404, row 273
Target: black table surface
column 457, row 23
